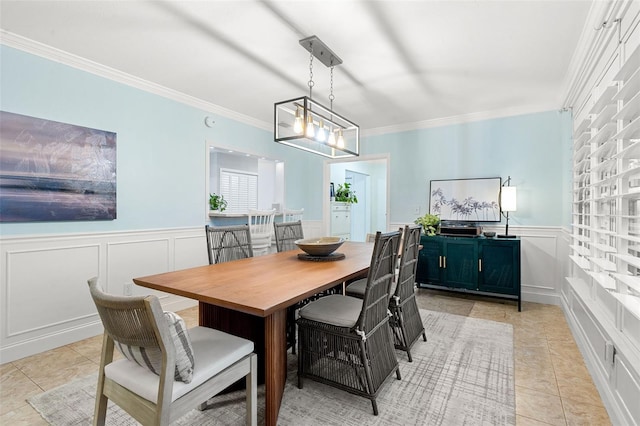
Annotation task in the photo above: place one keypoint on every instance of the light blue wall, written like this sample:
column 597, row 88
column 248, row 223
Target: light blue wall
column 161, row 145
column 161, row 152
column 530, row 148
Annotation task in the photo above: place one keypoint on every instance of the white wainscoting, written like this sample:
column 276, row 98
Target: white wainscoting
column 615, row 374
column 45, row 302
column 43, row 290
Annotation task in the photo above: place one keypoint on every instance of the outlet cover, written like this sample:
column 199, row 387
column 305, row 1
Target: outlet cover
column 128, row 289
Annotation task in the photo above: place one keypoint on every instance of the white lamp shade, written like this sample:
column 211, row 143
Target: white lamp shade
column 508, row 199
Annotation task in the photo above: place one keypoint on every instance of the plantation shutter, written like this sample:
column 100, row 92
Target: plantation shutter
column 240, row 190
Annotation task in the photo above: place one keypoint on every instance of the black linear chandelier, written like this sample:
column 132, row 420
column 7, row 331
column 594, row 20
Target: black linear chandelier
column 305, row 124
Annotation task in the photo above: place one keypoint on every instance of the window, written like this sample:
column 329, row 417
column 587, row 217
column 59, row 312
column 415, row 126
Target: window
column 240, row 190
column 246, row 180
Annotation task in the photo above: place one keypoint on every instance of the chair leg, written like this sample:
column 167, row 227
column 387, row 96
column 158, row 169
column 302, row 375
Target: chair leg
column 252, row 393
column 368, row 375
column 375, row 407
column 100, row 414
column 405, row 340
column 291, row 329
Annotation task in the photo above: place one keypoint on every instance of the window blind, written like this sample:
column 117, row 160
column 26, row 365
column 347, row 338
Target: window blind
column 240, row 190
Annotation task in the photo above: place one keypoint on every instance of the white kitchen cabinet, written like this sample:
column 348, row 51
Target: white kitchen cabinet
column 341, row 220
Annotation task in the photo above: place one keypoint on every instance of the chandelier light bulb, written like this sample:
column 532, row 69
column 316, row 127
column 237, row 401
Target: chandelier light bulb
column 340, row 139
column 321, row 135
column 310, row 131
column 297, row 124
column 332, row 137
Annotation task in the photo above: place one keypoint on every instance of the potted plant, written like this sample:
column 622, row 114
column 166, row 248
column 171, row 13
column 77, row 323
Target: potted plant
column 217, row 202
column 429, row 222
column 345, row 194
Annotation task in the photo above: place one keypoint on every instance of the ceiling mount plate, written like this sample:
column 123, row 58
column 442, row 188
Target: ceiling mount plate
column 320, row 51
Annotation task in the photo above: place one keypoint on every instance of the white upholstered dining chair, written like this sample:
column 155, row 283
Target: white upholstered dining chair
column 167, row 370
column 261, row 227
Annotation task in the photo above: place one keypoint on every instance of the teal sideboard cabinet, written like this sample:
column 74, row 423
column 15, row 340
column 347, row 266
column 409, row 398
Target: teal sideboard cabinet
column 487, row 266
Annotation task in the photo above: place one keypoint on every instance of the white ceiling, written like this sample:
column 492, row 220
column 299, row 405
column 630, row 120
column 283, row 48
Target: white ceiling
column 403, row 61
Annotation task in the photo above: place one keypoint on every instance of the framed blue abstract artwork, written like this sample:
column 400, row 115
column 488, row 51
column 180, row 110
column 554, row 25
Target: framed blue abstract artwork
column 52, row 171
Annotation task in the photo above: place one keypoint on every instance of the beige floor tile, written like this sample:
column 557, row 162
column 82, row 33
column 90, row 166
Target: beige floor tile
column 533, row 355
column 578, row 413
column 534, row 370
column 540, row 378
column 524, row 336
column 23, row 416
column 526, row 421
column 57, row 378
column 558, row 331
column 579, row 389
column 15, row 388
column 569, row 367
column 539, row 406
column 6, row 367
column 53, row 359
column 90, row 348
column 564, row 348
column 190, row 316
column 521, row 318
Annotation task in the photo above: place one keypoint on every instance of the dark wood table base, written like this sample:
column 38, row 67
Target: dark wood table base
column 259, row 330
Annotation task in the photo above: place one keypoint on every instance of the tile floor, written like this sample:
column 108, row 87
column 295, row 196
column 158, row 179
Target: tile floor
column 553, row 386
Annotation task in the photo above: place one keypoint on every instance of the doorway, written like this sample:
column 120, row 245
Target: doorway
column 360, row 211
column 372, row 200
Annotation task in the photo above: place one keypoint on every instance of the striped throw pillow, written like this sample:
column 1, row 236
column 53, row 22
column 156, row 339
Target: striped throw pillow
column 151, row 358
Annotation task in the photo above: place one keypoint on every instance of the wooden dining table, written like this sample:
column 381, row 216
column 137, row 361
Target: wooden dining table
column 250, row 297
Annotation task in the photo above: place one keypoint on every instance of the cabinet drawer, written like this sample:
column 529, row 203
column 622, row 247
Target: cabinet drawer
column 342, row 209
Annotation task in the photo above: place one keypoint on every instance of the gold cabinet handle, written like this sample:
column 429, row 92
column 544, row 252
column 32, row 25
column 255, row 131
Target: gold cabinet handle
column 444, row 261
column 439, row 261
column 480, row 265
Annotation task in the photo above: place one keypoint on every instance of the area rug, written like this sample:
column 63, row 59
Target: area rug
column 463, row 375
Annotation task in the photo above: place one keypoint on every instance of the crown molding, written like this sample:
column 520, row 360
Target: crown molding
column 459, row 119
column 45, row 51
column 48, row 52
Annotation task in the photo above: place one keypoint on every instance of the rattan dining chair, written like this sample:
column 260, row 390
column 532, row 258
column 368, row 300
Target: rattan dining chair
column 225, row 243
column 286, row 235
column 261, row 225
column 405, row 321
column 346, row 342
column 150, row 383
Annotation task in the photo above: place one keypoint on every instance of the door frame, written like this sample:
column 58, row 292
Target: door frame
column 326, row 173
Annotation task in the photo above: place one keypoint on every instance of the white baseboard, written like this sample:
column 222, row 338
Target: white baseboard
column 547, row 299
column 47, row 342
